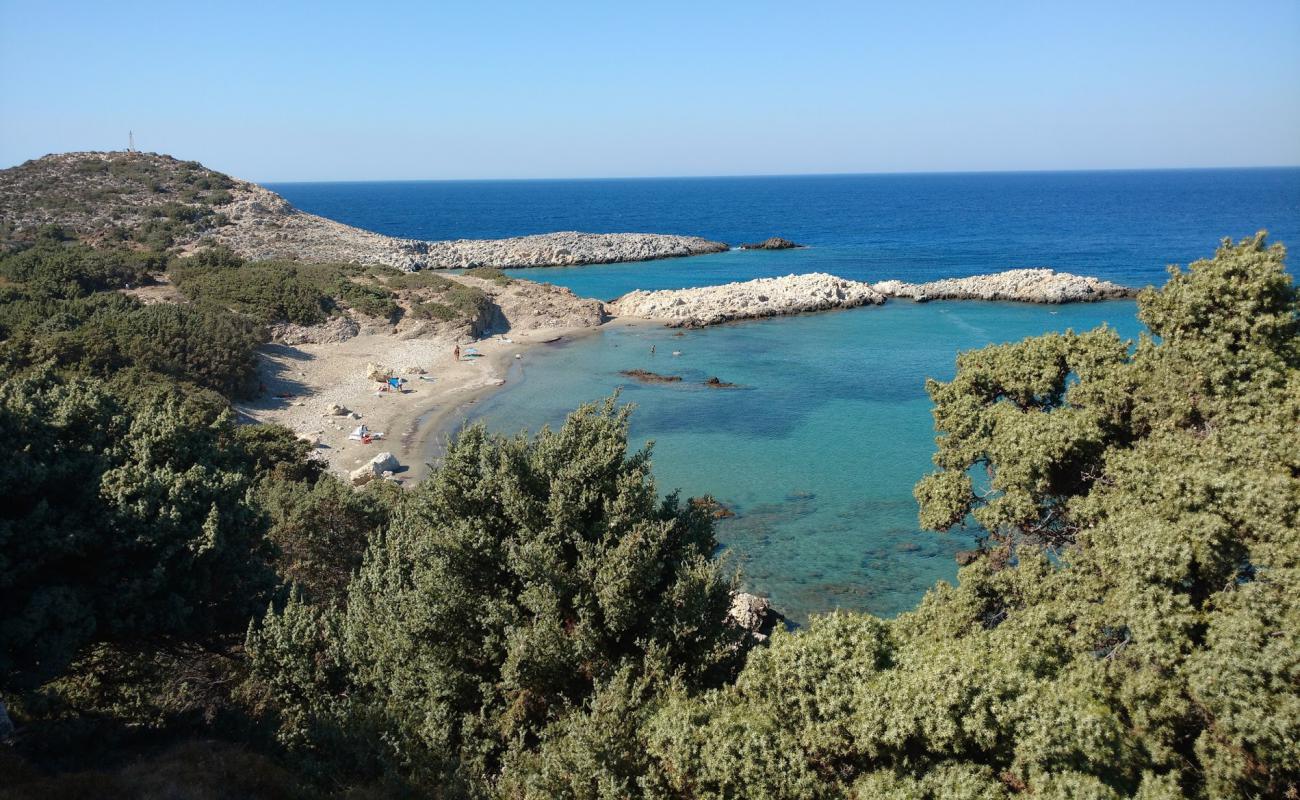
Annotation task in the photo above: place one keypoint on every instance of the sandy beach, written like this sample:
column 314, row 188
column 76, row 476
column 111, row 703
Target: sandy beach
column 305, row 382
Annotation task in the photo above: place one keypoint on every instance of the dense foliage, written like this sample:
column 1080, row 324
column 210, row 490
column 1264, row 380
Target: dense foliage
column 517, row 580
column 307, row 293
column 534, row 621
column 1158, row 655
column 53, row 268
column 119, row 524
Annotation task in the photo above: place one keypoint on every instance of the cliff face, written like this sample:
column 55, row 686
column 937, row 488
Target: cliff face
column 166, row 203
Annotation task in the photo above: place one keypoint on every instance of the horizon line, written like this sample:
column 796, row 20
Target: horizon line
column 792, row 175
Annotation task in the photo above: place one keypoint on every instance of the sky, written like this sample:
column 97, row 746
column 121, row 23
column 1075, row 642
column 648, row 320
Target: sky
column 288, row 91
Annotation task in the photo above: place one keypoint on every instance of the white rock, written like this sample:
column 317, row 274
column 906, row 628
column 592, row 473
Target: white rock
column 1021, row 285
column 764, row 297
column 375, row 468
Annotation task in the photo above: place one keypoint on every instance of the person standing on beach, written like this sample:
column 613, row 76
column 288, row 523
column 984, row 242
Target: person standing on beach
column 456, row 354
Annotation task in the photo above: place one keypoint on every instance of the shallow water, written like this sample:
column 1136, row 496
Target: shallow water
column 818, row 448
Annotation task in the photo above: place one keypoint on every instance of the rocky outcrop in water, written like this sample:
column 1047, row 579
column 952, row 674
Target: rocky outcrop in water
column 1021, row 285
column 794, row 294
column 765, row 297
column 771, row 243
column 646, row 376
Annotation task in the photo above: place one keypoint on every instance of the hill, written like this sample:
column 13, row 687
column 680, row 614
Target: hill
column 164, row 203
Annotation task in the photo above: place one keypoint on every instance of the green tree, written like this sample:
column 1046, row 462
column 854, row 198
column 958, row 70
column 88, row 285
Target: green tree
column 512, row 583
column 1135, row 630
column 123, row 524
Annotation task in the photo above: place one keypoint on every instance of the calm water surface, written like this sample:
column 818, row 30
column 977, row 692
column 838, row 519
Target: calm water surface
column 819, row 448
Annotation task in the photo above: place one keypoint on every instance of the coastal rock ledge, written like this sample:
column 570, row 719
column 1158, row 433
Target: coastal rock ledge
column 95, row 194
column 817, row 291
column 1020, row 285
column 764, row 297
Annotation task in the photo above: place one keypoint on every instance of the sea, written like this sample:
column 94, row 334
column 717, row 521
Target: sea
column 818, row 447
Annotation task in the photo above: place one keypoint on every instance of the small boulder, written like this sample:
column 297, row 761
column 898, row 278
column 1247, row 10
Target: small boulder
column 336, row 410
column 754, row 614
column 374, row 468
column 771, row 243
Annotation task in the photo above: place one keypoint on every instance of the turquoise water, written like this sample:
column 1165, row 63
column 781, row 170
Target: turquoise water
column 818, row 449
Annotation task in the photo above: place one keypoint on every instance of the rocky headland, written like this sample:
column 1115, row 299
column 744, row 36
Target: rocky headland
column 796, row 294
column 764, row 297
column 183, row 205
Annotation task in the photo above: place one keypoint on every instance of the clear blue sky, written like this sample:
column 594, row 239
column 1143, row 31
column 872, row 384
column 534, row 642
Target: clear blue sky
column 325, row 90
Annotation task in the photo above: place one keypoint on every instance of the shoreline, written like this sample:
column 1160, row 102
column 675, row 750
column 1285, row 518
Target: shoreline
column 434, row 424
column 305, row 381
column 323, row 391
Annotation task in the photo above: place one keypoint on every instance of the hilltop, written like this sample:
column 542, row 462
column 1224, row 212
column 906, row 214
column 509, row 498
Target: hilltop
column 164, row 203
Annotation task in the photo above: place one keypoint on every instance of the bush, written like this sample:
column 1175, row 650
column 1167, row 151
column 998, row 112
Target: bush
column 122, row 524
column 54, row 269
column 1155, row 655
column 489, row 274
column 106, row 333
column 274, row 291
column 374, row 301
column 269, row 291
column 515, row 581
column 435, row 311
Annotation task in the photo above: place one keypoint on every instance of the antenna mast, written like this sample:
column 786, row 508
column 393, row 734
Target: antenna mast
column 130, row 138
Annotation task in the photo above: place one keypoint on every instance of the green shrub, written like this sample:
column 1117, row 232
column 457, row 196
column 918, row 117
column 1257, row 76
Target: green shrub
column 269, row 291
column 489, row 273
column 433, row 310
column 54, row 269
column 423, row 279
column 122, row 524
column 517, row 579
column 1153, row 654
column 374, row 301
column 105, row 333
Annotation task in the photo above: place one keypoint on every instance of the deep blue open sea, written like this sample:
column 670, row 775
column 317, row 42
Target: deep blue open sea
column 819, row 449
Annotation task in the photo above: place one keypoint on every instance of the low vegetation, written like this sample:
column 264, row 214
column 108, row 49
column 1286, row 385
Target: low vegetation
column 153, row 200
column 50, row 314
column 489, row 274
column 191, row 606
column 308, row 293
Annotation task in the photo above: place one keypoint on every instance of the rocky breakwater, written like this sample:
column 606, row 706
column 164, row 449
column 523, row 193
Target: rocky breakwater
column 764, row 297
column 1020, row 285
column 263, row 225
